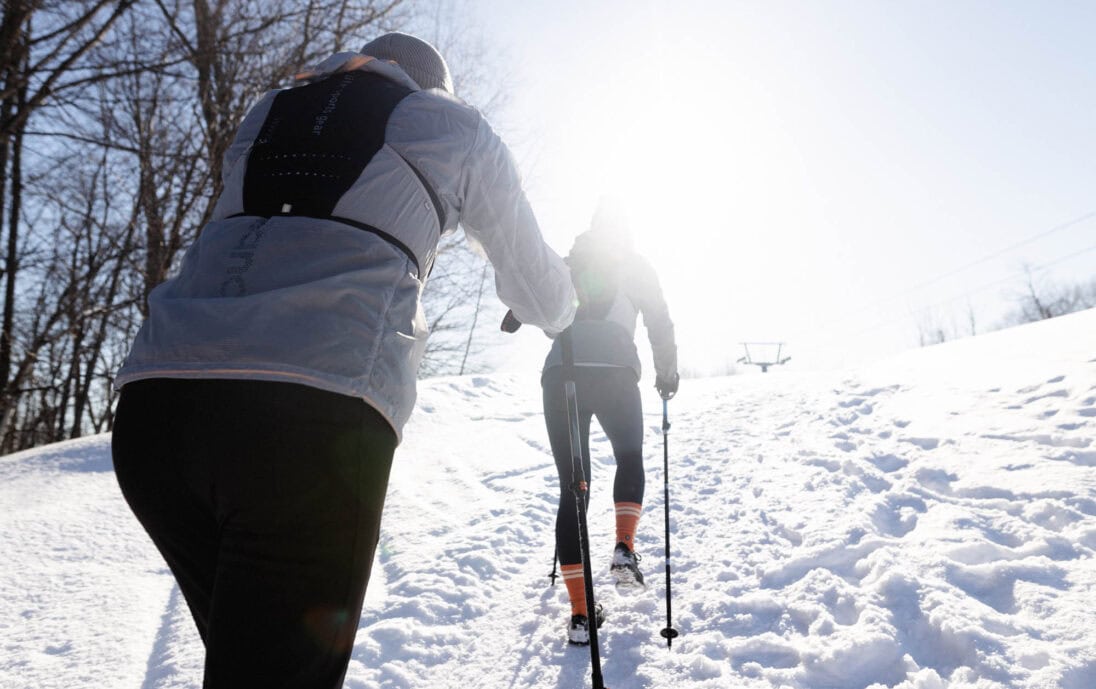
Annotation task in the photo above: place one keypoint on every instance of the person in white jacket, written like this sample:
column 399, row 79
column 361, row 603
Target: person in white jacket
column 264, row 396
column 615, row 286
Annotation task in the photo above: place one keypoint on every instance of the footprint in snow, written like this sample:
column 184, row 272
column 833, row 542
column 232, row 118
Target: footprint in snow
column 874, row 483
column 937, row 480
column 1081, row 676
column 995, row 583
column 537, row 444
column 756, row 656
column 1081, row 504
column 923, row 443
column 888, row 463
column 827, row 464
column 841, row 559
column 1054, row 393
column 992, row 530
column 1052, row 515
column 896, row 516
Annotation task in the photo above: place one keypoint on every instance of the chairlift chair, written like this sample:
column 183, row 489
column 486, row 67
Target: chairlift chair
column 763, row 363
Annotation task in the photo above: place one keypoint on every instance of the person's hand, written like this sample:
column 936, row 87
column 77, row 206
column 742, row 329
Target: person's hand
column 510, row 323
column 667, row 387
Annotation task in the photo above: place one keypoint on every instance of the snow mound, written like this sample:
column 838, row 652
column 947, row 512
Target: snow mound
column 926, row 522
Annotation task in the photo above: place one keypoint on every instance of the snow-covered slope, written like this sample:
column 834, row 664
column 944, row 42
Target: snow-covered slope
column 928, row 521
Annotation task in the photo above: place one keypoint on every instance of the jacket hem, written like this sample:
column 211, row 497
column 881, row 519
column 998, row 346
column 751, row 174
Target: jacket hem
column 243, row 373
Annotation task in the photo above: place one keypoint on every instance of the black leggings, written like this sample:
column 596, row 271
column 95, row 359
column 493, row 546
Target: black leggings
column 265, row 500
column 612, row 394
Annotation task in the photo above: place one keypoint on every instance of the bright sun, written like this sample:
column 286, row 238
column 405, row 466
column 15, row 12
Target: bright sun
column 705, row 178
column 680, row 214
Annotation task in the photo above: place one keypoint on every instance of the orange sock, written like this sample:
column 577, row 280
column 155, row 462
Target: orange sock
column 576, row 587
column 627, row 519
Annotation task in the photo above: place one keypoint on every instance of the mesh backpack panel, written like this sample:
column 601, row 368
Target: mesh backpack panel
column 316, row 141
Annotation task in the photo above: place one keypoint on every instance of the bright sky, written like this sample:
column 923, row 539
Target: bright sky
column 815, row 172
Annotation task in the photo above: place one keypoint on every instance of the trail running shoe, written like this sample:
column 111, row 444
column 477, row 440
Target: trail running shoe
column 579, row 631
column 625, row 568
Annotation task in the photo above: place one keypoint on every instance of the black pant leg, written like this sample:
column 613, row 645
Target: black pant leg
column 559, row 438
column 298, row 545
column 612, row 394
column 297, row 479
column 158, row 461
column 619, row 410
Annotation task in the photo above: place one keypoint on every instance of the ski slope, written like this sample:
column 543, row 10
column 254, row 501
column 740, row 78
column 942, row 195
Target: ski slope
column 924, row 522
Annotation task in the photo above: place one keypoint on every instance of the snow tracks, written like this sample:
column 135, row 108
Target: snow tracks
column 925, row 523
column 897, row 528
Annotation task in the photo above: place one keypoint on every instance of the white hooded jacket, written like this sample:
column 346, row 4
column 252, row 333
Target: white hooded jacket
column 320, row 302
column 616, row 285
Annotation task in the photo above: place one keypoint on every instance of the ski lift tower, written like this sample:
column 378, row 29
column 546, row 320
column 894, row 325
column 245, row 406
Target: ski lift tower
column 764, row 354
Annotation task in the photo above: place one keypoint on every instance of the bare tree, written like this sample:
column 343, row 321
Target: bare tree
column 458, row 304
column 456, row 309
column 1041, row 298
column 114, row 118
column 932, row 328
column 43, row 52
column 131, row 106
column 77, row 270
column 232, row 51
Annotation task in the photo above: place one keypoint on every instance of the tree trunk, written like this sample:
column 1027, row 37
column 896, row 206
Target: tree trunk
column 13, row 41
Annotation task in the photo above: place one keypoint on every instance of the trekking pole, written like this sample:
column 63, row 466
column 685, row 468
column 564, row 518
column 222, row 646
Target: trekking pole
column 510, row 324
column 579, row 487
column 553, row 576
column 669, row 633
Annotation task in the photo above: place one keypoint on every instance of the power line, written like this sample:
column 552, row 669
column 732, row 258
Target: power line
column 995, row 254
column 990, row 257
column 1013, row 276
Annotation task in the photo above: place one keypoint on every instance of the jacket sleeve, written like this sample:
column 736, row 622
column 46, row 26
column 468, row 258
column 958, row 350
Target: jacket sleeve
column 656, row 317
column 530, row 277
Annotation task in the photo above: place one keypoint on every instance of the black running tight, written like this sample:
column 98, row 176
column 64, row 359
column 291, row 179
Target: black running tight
column 265, row 500
column 611, row 393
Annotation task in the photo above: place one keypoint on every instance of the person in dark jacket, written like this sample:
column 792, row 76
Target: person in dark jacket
column 264, row 396
column 614, row 285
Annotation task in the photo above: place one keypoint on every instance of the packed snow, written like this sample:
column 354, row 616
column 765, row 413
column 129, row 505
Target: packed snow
column 923, row 522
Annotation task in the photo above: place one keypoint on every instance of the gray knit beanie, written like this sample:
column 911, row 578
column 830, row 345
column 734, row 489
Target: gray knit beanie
column 419, row 59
